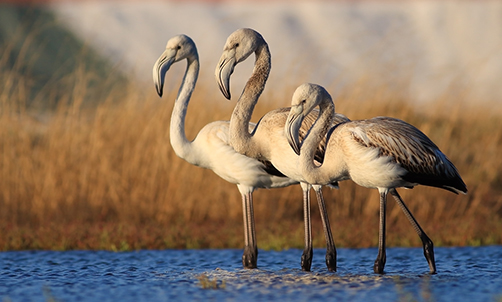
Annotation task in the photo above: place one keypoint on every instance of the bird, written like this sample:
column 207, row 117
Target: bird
column 267, row 140
column 211, row 149
column 383, row 153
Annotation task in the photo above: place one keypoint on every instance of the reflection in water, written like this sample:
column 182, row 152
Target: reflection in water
column 421, row 289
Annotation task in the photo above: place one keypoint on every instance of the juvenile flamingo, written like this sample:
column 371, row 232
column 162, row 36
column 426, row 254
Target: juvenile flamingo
column 267, row 141
column 211, row 149
column 383, row 153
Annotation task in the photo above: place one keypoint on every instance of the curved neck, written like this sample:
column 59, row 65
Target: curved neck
column 240, row 138
column 179, row 141
column 313, row 173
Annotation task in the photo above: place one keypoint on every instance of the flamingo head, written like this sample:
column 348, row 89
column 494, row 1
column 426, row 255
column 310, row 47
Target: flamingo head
column 305, row 98
column 178, row 48
column 239, row 46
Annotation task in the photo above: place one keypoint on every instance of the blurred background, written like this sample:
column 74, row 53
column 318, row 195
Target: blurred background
column 85, row 159
column 426, row 45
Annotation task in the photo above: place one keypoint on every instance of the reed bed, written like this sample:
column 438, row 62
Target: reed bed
column 106, row 177
column 86, row 163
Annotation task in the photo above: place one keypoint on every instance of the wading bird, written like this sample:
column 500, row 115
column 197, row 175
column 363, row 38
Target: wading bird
column 267, row 141
column 210, row 149
column 383, row 153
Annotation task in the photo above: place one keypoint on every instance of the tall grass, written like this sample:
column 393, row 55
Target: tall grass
column 105, row 176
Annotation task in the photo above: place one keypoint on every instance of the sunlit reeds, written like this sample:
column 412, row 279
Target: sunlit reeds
column 104, row 176
column 107, row 178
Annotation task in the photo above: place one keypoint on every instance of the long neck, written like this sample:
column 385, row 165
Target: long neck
column 313, row 173
column 240, row 138
column 181, row 145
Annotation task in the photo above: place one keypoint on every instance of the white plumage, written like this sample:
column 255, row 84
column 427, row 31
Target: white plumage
column 382, row 153
column 211, row 149
column 267, row 140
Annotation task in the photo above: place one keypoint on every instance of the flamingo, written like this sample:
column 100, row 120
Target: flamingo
column 211, row 149
column 267, row 141
column 383, row 153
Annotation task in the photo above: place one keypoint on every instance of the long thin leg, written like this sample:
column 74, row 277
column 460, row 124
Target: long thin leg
column 381, row 258
column 252, row 229
column 426, row 241
column 330, row 244
column 250, row 255
column 307, row 254
column 245, row 219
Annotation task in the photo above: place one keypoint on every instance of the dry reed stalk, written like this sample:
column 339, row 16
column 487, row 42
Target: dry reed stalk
column 105, row 177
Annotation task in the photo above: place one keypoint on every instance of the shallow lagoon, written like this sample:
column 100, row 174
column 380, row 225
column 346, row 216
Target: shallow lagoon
column 464, row 274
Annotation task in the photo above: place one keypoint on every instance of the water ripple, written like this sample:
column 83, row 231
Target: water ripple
column 465, row 274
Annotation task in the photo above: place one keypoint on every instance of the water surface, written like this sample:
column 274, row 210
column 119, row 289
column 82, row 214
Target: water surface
column 464, row 274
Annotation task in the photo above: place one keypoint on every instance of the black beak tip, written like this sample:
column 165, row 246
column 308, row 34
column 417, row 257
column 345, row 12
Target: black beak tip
column 295, row 148
column 159, row 90
column 225, row 92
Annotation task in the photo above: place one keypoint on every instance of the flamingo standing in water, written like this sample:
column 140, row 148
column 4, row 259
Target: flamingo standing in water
column 211, row 149
column 267, row 141
column 383, row 153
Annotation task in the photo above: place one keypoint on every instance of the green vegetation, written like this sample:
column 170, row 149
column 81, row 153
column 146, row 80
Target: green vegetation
column 43, row 58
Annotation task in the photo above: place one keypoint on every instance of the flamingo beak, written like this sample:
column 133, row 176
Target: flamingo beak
column 292, row 127
column 160, row 68
column 224, row 70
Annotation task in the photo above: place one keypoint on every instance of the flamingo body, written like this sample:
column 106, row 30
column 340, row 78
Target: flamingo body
column 267, row 141
column 383, row 153
column 211, row 149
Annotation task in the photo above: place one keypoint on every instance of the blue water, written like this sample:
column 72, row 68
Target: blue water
column 464, row 274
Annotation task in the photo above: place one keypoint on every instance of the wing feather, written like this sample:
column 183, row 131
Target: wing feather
column 410, row 148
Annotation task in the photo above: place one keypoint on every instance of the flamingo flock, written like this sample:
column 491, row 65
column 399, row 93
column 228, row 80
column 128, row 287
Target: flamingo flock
column 307, row 144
